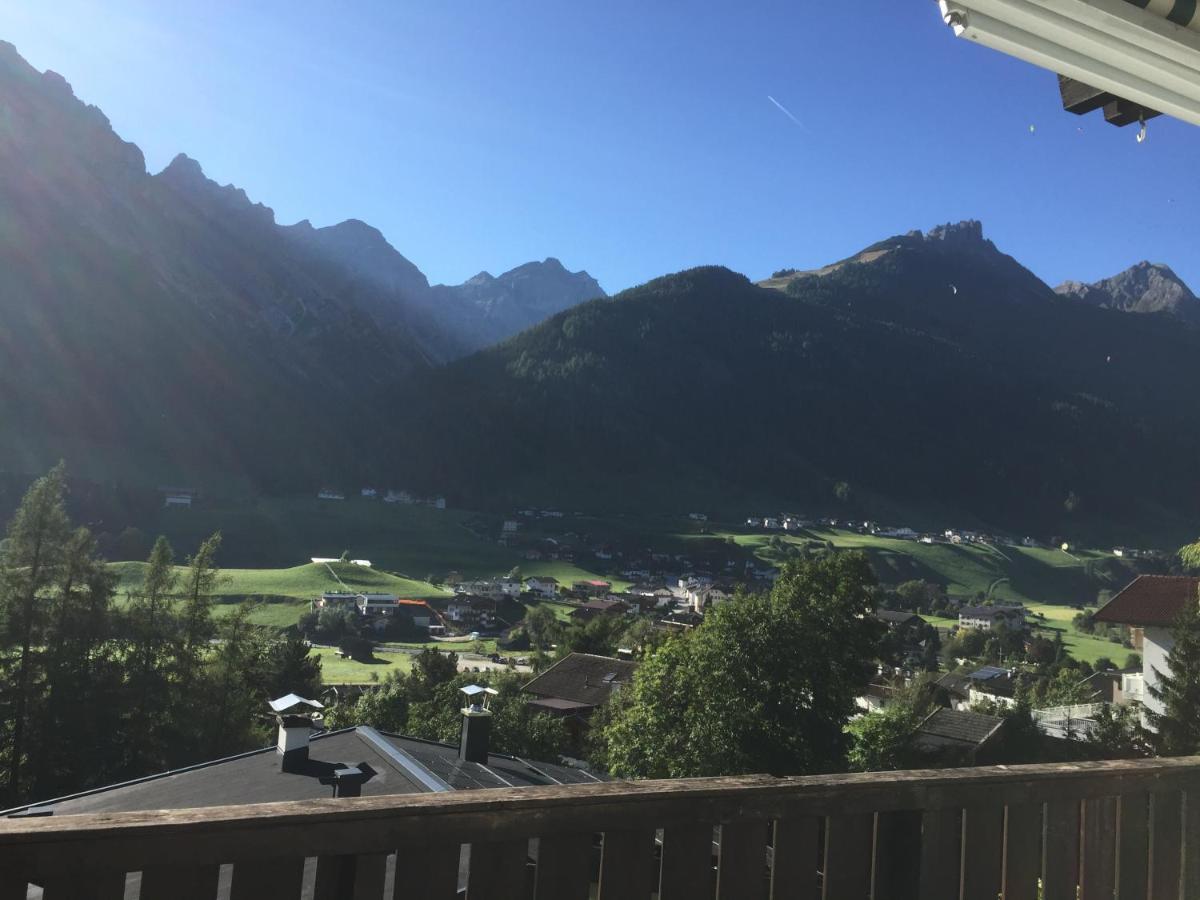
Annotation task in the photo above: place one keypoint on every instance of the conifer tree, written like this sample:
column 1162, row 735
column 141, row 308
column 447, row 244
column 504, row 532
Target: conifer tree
column 1176, row 729
column 33, row 554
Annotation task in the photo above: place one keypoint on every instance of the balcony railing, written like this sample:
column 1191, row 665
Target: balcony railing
column 1086, row 830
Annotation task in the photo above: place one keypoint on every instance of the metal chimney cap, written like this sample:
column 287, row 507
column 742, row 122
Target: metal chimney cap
column 474, row 690
column 291, row 700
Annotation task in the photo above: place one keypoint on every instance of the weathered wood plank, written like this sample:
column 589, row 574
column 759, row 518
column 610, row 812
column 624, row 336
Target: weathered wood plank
column 1098, row 866
column 277, row 878
column 897, row 871
column 427, row 872
column 941, row 854
column 370, row 873
column 687, row 862
column 1191, row 841
column 350, row 877
column 1022, row 851
column 742, row 861
column 1133, row 847
column 498, row 870
column 627, row 865
column 983, row 852
column 1166, row 826
column 84, row 884
column 179, row 882
column 849, row 851
column 564, row 867
column 795, row 860
column 1060, row 873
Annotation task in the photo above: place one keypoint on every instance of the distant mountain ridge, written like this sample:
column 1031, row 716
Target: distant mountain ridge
column 929, row 371
column 167, row 321
column 1142, row 288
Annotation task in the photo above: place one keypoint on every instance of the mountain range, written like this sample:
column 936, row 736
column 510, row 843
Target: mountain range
column 166, row 326
column 163, row 328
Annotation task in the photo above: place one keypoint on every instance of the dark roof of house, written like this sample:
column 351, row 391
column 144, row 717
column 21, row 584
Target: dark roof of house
column 1150, row 600
column 955, row 683
column 951, row 727
column 583, row 678
column 989, row 612
column 401, row 765
column 987, row 673
column 895, row 616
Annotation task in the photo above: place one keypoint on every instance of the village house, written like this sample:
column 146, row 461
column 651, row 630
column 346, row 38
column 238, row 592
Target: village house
column 369, row 493
column 330, row 494
column 950, row 737
column 591, row 588
column 707, row 595
column 399, row 497
column 178, row 498
column 376, row 604
column 542, row 585
column 577, row 685
column 335, row 598
column 989, row 618
column 897, row 619
column 472, row 612
column 510, row 526
column 1151, row 603
column 599, row 607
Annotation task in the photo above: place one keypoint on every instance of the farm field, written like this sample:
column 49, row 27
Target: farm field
column 335, row 670
column 1084, row 647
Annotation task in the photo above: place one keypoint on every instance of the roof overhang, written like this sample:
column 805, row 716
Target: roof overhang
column 1115, row 46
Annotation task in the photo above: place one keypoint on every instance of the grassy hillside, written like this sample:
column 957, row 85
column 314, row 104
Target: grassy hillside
column 1026, row 574
column 300, row 582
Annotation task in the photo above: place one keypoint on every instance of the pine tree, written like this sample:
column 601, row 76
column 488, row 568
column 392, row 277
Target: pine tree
column 198, row 629
column 83, row 676
column 33, row 554
column 1177, row 728
column 154, row 633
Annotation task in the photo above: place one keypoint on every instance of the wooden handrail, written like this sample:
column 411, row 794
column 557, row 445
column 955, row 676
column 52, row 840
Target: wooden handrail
column 848, row 824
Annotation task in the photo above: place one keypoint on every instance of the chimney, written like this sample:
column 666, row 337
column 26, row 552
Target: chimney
column 476, row 724
column 295, row 725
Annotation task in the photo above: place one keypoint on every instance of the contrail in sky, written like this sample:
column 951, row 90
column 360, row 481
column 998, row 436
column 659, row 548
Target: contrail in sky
column 787, row 112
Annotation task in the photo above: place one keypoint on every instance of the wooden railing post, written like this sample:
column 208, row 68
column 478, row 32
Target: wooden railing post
column 795, row 859
column 941, row 854
column 1060, row 866
column 849, row 854
column 627, row 865
column 1022, row 851
column 1166, row 838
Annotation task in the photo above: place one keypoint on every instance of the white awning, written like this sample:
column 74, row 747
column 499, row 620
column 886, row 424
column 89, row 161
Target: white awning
column 1143, row 55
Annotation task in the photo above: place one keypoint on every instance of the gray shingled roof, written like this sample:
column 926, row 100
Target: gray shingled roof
column 958, row 727
column 583, row 678
column 402, row 765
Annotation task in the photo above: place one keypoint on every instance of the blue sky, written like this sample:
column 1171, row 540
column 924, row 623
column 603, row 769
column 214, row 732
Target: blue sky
column 627, row 138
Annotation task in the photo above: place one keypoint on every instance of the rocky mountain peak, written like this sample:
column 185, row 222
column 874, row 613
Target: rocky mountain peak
column 1144, row 287
column 186, row 176
column 969, row 231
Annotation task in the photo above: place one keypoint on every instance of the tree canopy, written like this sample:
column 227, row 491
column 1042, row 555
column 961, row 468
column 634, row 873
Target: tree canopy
column 765, row 684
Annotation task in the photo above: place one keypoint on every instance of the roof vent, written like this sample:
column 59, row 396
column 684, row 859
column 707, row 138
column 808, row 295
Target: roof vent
column 347, row 780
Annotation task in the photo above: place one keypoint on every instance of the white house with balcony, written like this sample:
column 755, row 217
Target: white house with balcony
column 1151, row 603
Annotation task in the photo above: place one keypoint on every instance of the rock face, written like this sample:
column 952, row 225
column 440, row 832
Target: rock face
column 487, row 308
column 165, row 327
column 1143, row 288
